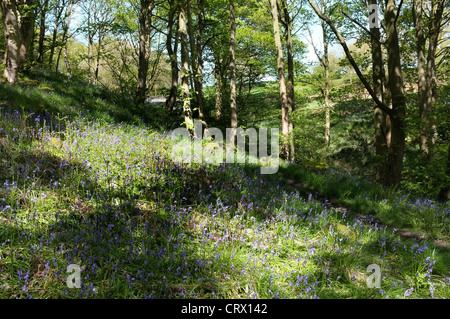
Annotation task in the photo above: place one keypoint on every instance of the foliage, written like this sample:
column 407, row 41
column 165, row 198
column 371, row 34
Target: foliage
column 86, row 175
column 105, row 195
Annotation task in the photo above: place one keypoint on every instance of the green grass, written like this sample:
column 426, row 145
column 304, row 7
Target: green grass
column 104, row 194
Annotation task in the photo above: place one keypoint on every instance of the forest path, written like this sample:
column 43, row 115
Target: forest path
column 337, row 205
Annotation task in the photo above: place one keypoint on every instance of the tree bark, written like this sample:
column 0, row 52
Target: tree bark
column 397, row 113
column 185, row 69
column 64, row 35
column 398, row 123
column 65, row 38
column 290, row 79
column 18, row 36
column 172, row 52
column 199, row 73
column 58, row 13
column 437, row 10
column 379, row 115
column 444, row 194
column 90, row 44
column 427, row 82
column 27, row 32
column 99, row 51
column 196, row 80
column 145, row 16
column 326, row 66
column 421, row 80
column 233, row 107
column 349, row 56
column 43, row 13
column 10, row 14
column 284, row 151
column 66, row 61
column 218, row 87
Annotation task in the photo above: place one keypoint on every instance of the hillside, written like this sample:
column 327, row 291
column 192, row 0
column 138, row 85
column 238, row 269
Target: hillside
column 87, row 179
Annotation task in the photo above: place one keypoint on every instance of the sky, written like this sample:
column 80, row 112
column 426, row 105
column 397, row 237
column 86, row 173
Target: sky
column 310, row 56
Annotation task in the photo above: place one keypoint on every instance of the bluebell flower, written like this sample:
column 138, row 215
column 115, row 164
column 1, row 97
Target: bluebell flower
column 408, row 292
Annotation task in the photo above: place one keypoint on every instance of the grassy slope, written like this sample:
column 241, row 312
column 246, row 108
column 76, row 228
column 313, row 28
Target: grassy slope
column 98, row 189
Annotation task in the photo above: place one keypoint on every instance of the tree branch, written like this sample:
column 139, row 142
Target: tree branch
column 314, row 47
column 398, row 11
column 362, row 27
column 366, row 84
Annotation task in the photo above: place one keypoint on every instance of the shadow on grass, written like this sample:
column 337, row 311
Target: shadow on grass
column 51, row 95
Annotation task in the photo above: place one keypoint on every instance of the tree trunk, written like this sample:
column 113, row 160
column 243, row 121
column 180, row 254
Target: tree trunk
column 66, row 61
column 194, row 61
column 437, row 9
column 185, row 69
column 218, row 87
column 90, row 55
column 44, row 7
column 397, row 147
column 326, row 93
column 280, row 64
column 290, row 80
column 379, row 115
column 444, row 194
column 11, row 16
column 397, row 114
column 421, row 70
column 233, row 75
column 58, row 14
column 172, row 52
column 53, row 45
column 145, row 16
column 99, row 51
column 19, row 27
column 27, row 30
column 199, row 73
column 64, row 35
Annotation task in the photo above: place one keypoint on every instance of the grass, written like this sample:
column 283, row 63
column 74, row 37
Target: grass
column 104, row 194
column 392, row 207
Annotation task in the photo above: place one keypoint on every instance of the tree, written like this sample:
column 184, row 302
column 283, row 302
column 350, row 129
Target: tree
column 65, row 36
column 426, row 69
column 233, row 74
column 172, row 52
column 288, row 25
column 394, row 165
column 216, row 48
column 182, row 21
column 43, row 8
column 199, row 71
column 58, row 10
column 97, row 24
column 395, row 84
column 325, row 63
column 380, row 118
column 444, row 194
column 196, row 51
column 280, row 65
column 145, row 20
column 18, row 21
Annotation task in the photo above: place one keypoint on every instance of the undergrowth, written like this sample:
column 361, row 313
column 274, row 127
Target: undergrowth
column 105, row 195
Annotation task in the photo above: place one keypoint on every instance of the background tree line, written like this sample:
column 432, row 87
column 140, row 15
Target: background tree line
column 210, row 55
